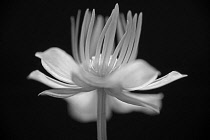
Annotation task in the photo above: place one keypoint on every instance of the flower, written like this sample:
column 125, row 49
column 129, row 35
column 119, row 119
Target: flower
column 100, row 64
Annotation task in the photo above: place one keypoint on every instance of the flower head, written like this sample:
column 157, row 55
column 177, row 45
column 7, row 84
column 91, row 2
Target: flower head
column 104, row 58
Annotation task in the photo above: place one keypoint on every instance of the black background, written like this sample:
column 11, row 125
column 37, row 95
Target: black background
column 173, row 37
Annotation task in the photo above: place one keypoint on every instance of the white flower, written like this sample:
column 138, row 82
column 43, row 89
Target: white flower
column 102, row 61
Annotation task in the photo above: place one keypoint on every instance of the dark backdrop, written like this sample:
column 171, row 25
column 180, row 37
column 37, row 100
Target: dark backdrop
column 174, row 37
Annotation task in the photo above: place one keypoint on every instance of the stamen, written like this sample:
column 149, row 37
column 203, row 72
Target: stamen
column 131, row 42
column 126, row 42
column 90, row 29
column 137, row 37
column 120, row 30
column 109, row 40
column 113, row 63
column 83, row 35
column 122, row 16
column 95, row 35
column 99, row 44
column 74, row 35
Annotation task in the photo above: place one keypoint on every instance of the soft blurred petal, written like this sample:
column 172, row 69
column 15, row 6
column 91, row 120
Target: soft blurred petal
column 91, row 79
column 83, row 107
column 125, row 102
column 172, row 76
column 58, row 63
column 80, row 81
column 135, row 74
column 39, row 76
column 122, row 107
column 65, row 92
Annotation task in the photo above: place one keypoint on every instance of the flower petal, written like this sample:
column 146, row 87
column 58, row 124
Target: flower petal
column 65, row 92
column 172, row 76
column 83, row 107
column 90, row 78
column 58, row 63
column 126, row 102
column 39, row 76
column 134, row 74
column 77, row 79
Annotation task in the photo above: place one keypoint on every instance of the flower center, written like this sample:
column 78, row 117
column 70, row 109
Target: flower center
column 101, row 69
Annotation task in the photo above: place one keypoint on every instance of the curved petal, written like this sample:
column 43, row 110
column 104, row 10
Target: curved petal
column 91, row 79
column 121, row 107
column 58, row 63
column 83, row 107
column 172, row 76
column 135, row 74
column 65, row 92
column 39, row 76
column 77, row 79
column 126, row 102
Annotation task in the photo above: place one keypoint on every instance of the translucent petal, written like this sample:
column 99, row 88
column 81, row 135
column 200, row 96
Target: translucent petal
column 39, row 76
column 77, row 79
column 83, row 107
column 125, row 102
column 134, row 74
column 172, row 76
column 94, row 80
column 65, row 92
column 58, row 63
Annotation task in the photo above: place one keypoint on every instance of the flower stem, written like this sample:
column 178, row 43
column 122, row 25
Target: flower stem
column 101, row 115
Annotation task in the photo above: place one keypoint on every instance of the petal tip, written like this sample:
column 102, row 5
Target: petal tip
column 32, row 75
column 117, row 5
column 43, row 93
column 38, row 54
column 156, row 104
column 184, row 75
column 177, row 74
column 29, row 76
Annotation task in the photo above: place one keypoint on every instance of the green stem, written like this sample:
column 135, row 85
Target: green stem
column 101, row 115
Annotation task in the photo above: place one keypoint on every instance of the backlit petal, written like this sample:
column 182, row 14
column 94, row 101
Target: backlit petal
column 65, row 92
column 78, row 80
column 58, row 63
column 39, row 76
column 134, row 74
column 172, row 76
column 91, row 79
column 83, row 107
column 125, row 102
